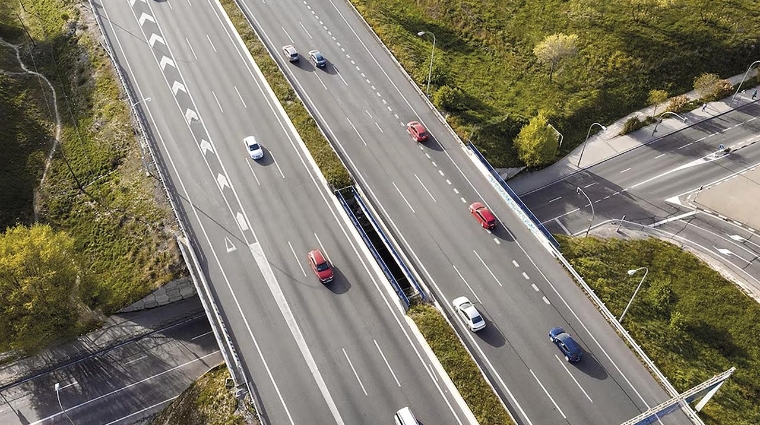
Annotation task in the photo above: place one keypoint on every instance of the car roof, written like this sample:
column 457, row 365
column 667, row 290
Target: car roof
column 569, row 342
column 289, row 48
column 317, row 254
column 417, row 125
column 249, row 140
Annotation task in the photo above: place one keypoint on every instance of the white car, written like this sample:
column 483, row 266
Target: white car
column 291, row 53
column 254, row 149
column 467, row 312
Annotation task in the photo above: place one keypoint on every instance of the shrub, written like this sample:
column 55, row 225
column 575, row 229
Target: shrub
column 635, row 123
column 449, row 99
column 678, row 104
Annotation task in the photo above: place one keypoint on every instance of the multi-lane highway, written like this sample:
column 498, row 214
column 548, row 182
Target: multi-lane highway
column 338, row 353
column 362, row 100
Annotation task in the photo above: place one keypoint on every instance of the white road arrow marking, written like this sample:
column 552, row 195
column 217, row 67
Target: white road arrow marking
column 145, row 17
column 177, row 86
column 241, row 221
column 206, row 146
column 154, row 38
column 222, row 181
column 736, row 237
column 229, row 245
column 724, row 251
column 165, row 60
column 190, row 115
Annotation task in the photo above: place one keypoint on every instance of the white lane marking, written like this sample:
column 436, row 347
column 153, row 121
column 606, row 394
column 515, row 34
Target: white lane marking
column 565, row 229
column 627, row 169
column 465, row 282
column 241, row 97
column 659, row 156
column 487, row 268
column 277, row 164
column 201, row 335
column 252, row 172
column 546, row 300
column 305, row 30
column 555, row 199
column 142, row 410
column 209, row 42
column 378, row 127
column 426, row 189
column 322, row 247
column 288, row 35
column 688, row 144
column 69, row 385
column 495, row 239
column 357, row 131
column 525, row 275
column 535, row 288
column 456, row 191
column 217, row 101
column 440, row 172
column 463, row 200
column 589, row 185
column 69, row 409
column 573, row 377
column 341, row 77
column 297, row 260
column 448, row 182
column 320, row 80
column 516, row 264
column 403, row 197
column 135, row 360
column 370, row 115
column 191, row 48
column 355, row 374
column 547, row 394
column 386, row 363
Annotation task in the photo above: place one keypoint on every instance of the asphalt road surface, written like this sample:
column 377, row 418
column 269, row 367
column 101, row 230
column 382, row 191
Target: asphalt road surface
column 337, row 353
column 119, row 386
column 363, row 100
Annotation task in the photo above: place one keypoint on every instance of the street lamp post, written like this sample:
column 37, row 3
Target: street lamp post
column 58, row 395
column 662, row 115
column 631, row 273
column 578, row 191
column 561, row 137
column 743, row 78
column 586, row 141
column 147, row 99
column 432, row 54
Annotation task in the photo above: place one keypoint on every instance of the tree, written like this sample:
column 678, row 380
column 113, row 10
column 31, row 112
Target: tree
column 554, row 48
column 37, row 281
column 706, row 85
column 655, row 98
column 537, row 143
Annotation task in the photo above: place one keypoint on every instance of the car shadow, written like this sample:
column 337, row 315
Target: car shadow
column 591, row 367
column 491, row 334
column 303, row 64
column 340, row 284
column 502, row 232
column 432, row 143
column 267, row 160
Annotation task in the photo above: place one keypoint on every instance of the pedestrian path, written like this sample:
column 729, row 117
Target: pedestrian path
column 608, row 143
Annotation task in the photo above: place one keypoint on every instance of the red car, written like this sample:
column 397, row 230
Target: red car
column 320, row 266
column 417, row 131
column 483, row 215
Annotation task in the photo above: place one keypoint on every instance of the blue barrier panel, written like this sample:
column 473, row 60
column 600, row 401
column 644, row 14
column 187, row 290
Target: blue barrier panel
column 514, row 196
column 383, row 266
column 390, row 247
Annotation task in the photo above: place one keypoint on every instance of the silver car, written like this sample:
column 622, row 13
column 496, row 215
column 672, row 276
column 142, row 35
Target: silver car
column 291, row 53
column 254, row 148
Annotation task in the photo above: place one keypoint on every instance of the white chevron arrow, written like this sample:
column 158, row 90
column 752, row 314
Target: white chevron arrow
column 177, row 86
column 229, row 245
column 222, row 181
column 241, row 221
column 155, row 37
column 190, row 115
column 206, row 146
column 145, row 17
column 165, row 60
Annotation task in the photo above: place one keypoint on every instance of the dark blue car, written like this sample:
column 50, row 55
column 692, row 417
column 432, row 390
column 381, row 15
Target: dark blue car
column 566, row 344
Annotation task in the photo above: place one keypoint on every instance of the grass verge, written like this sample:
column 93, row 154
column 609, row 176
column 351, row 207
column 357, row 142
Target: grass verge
column 484, row 51
column 690, row 321
column 95, row 189
column 322, row 152
column 460, row 367
column 208, row 401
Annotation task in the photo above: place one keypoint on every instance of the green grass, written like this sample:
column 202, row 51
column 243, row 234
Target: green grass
column 460, row 367
column 689, row 320
column 485, row 48
column 324, row 155
column 207, row 401
column 119, row 219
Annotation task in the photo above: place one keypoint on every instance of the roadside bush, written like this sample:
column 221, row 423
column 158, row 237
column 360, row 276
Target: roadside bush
column 450, row 99
column 635, row 123
column 678, row 104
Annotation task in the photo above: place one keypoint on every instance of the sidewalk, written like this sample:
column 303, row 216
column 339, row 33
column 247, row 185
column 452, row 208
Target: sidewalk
column 608, row 144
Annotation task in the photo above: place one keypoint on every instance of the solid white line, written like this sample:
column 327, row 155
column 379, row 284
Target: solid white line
column 241, row 97
column 355, row 374
column 562, row 226
column 209, row 42
column 191, row 48
column 341, row 77
column 305, row 30
column 217, row 101
column 142, row 410
column 69, row 409
column 387, row 364
column 402, row 196
column 288, row 35
column 277, row 164
column 68, row 385
column 135, row 360
column 465, row 282
column 678, row 217
column 200, row 336
column 547, row 394
column 357, row 132
column 573, row 377
column 487, row 268
column 322, row 247
column 252, row 172
column 297, row 261
column 426, row 189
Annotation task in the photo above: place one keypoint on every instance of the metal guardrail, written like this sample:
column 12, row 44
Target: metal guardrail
column 222, row 336
column 378, row 258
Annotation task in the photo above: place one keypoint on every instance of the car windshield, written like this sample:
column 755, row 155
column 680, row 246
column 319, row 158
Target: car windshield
column 477, row 319
column 319, row 57
column 423, row 134
column 322, row 267
column 253, row 147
